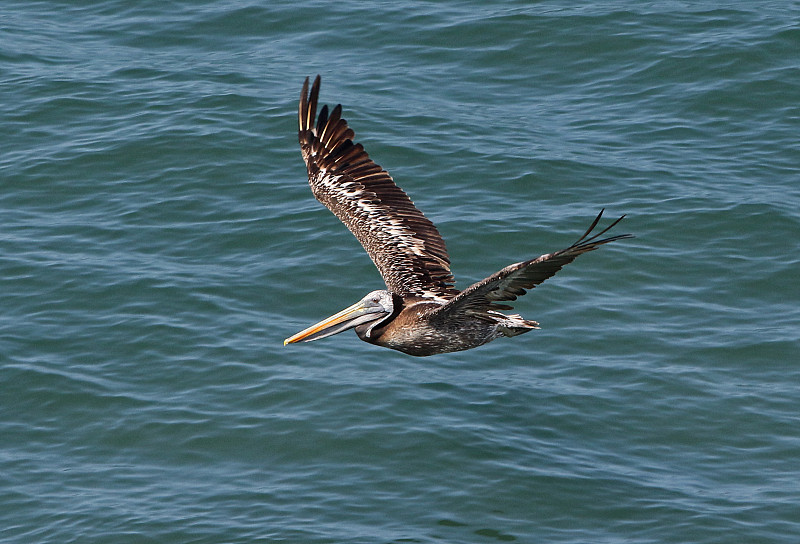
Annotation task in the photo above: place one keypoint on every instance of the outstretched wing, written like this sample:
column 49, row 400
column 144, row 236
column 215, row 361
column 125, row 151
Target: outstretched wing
column 404, row 245
column 481, row 299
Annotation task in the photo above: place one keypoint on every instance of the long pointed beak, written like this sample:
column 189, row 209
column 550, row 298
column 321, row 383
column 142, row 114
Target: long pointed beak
column 347, row 318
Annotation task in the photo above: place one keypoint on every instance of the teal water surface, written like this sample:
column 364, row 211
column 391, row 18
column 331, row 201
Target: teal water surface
column 159, row 241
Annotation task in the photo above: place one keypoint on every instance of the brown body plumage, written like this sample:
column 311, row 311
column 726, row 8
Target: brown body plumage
column 420, row 312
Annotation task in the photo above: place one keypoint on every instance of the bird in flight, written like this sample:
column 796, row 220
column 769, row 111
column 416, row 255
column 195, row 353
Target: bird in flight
column 420, row 312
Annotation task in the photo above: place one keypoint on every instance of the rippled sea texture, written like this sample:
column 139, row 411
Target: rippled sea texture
column 158, row 242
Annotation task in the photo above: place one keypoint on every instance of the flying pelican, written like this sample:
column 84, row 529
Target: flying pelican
column 420, row 312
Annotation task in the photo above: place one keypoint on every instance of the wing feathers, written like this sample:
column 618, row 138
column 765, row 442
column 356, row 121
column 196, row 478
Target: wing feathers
column 404, row 245
column 512, row 281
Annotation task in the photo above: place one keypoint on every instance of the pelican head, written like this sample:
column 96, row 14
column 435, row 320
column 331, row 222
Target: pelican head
column 372, row 310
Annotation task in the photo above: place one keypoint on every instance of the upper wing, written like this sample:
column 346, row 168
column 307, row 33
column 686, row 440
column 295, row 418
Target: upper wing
column 405, row 246
column 481, row 298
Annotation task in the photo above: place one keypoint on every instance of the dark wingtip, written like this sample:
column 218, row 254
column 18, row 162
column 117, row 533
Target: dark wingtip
column 591, row 227
column 315, row 91
column 592, row 242
column 307, row 111
column 302, row 110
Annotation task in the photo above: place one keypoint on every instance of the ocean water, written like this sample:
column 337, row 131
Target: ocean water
column 159, row 241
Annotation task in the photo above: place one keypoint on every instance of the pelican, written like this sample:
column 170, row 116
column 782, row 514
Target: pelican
column 420, row 312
